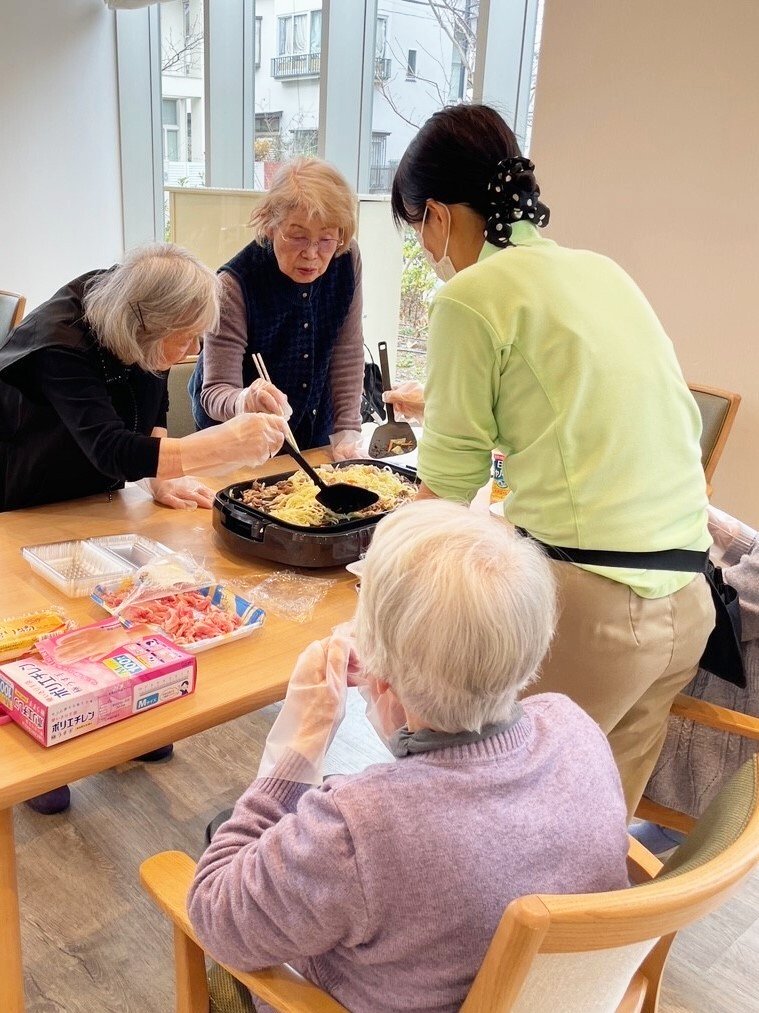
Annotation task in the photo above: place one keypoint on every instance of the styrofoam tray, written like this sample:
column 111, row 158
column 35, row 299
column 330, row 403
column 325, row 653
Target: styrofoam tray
column 75, row 567
column 221, row 596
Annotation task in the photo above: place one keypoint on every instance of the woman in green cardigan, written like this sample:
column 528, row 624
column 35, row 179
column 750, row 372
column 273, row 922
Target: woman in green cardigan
column 554, row 357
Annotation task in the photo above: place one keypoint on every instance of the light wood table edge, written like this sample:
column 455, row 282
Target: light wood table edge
column 146, row 732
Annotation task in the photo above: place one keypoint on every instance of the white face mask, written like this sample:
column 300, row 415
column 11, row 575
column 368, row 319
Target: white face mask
column 443, row 268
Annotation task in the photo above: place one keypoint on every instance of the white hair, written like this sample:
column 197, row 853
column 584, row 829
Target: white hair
column 158, row 291
column 456, row 612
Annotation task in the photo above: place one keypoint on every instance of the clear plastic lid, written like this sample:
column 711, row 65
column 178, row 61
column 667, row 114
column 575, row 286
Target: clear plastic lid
column 134, row 550
column 76, row 567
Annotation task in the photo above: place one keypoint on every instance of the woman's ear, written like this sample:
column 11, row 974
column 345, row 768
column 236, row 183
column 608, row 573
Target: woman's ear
column 436, row 214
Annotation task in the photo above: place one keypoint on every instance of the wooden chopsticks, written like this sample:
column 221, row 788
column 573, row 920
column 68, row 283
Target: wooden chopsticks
column 263, row 372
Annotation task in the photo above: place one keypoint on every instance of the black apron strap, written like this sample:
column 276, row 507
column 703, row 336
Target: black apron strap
column 680, row 560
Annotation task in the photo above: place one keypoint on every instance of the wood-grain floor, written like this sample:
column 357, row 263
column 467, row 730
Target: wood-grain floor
column 94, row 944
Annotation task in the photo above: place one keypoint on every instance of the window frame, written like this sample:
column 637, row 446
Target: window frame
column 347, row 71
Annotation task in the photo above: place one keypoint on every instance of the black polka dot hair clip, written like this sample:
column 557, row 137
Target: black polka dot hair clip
column 513, row 195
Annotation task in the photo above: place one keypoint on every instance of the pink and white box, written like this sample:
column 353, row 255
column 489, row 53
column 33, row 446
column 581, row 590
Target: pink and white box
column 54, row 702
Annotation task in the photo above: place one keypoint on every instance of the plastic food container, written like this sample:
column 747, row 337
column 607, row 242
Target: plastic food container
column 75, row 567
column 222, row 597
column 134, row 550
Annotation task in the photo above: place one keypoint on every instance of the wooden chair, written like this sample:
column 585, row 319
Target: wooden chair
column 711, row 716
column 718, row 410
column 180, row 421
column 12, row 307
column 549, row 954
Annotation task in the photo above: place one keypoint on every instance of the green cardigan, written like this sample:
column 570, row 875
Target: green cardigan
column 555, row 357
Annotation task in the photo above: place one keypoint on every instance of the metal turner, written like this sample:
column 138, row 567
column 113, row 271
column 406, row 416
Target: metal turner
column 393, row 437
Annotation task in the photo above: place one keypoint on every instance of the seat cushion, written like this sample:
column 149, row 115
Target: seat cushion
column 227, row 994
column 721, row 825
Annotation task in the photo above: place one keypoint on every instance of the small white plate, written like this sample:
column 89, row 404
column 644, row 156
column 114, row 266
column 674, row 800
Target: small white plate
column 496, row 508
column 356, row 568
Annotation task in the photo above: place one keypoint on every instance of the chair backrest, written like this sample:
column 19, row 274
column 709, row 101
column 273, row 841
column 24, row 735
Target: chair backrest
column 180, row 421
column 562, row 954
column 11, row 312
column 718, row 409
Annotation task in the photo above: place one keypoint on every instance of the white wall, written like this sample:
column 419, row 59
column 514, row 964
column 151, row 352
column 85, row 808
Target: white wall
column 645, row 142
column 60, row 197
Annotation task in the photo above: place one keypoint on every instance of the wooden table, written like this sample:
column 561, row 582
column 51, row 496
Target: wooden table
column 232, row 680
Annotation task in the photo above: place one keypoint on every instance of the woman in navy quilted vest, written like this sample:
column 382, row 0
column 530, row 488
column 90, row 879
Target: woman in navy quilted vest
column 294, row 296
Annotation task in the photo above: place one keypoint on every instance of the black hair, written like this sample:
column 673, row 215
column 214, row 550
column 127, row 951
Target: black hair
column 452, row 159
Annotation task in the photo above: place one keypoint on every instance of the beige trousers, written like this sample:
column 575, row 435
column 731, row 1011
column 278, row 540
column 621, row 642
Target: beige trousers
column 623, row 659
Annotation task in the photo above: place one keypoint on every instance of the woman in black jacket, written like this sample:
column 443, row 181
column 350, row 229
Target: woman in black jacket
column 83, row 395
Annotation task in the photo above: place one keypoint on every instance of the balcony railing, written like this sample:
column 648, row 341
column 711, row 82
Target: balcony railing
column 381, row 69
column 381, row 178
column 296, row 65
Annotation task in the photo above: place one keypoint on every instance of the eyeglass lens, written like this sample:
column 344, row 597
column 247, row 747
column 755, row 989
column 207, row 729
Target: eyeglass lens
column 304, row 243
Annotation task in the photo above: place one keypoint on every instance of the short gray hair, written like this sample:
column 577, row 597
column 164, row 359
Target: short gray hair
column 158, row 290
column 314, row 188
column 456, row 612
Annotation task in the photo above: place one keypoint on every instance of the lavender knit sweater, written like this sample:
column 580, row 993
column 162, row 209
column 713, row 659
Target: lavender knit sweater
column 385, row 887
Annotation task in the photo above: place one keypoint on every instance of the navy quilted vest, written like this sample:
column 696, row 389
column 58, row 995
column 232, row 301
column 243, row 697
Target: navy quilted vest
column 294, row 327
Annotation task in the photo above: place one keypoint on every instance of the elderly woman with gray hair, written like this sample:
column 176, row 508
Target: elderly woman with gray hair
column 83, row 395
column 385, row 887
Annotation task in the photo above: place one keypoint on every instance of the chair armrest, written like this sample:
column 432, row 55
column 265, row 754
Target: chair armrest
column 714, row 716
column 167, row 877
column 641, row 864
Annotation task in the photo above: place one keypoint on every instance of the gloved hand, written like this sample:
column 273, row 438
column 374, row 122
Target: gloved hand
column 186, row 493
column 347, row 445
column 732, row 538
column 246, row 440
column 311, row 714
column 407, row 400
column 263, row 396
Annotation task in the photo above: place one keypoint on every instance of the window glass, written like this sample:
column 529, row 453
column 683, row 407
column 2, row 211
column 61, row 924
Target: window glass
column 300, row 28
column 285, row 36
column 381, row 38
column 427, row 60
column 286, row 85
column 316, row 32
column 182, row 109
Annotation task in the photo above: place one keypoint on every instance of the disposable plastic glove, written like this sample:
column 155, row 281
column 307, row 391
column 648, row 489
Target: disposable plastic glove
column 186, row 493
column 407, row 400
column 347, row 445
column 263, row 396
column 246, row 440
column 311, row 714
column 732, row 538
column 93, row 644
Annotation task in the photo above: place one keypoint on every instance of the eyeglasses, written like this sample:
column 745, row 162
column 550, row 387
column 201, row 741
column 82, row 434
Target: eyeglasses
column 325, row 247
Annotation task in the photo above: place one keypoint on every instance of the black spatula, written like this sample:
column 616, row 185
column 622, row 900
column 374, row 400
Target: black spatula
column 393, row 437
column 340, row 498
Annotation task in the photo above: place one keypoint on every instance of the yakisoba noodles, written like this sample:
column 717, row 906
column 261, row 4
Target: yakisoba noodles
column 294, row 499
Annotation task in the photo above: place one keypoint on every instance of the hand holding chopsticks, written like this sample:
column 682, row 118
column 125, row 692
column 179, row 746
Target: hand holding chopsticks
column 263, row 372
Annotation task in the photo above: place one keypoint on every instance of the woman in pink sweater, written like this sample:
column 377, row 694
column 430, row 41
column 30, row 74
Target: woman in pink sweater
column 385, row 887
